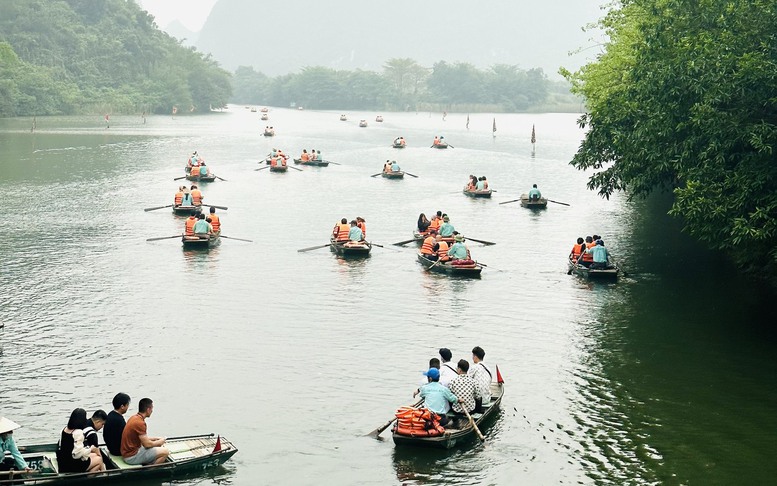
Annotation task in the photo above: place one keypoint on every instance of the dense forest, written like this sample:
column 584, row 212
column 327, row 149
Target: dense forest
column 404, row 84
column 684, row 99
column 106, row 56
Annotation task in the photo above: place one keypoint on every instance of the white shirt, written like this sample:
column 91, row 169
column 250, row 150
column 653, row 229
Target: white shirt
column 482, row 377
column 447, row 373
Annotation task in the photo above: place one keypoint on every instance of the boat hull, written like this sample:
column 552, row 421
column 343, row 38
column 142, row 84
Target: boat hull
column 541, row 203
column 482, row 194
column 351, row 250
column 200, row 242
column 269, row 134
column 454, row 437
column 312, row 163
column 208, row 178
column 440, row 146
column 399, row 146
column 185, row 210
column 280, row 168
column 394, row 175
column 187, row 456
column 594, row 273
column 449, row 269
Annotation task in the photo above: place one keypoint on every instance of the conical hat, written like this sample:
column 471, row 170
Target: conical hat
column 7, row 425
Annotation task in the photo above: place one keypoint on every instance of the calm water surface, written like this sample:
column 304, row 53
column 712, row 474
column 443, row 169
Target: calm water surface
column 666, row 377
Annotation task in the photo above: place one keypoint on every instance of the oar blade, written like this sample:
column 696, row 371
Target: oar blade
column 163, row 238
column 403, row 243
column 313, row 248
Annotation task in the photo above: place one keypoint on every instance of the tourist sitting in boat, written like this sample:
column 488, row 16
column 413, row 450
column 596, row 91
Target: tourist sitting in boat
column 94, row 425
column 395, row 166
column 586, row 259
column 436, row 140
column 480, row 185
column 534, row 193
column 197, row 196
column 305, row 156
column 341, row 231
column 7, row 444
column 577, row 249
column 436, row 221
column 178, row 199
column 187, row 199
column 355, row 233
column 137, row 448
column 72, row 455
column 362, row 224
column 114, row 425
column 437, row 398
column 458, row 250
column 387, row 166
column 318, row 155
column 446, row 228
column 214, row 220
column 423, row 223
column 204, row 171
column 465, row 389
column 201, row 227
column 188, row 228
column 447, row 369
column 601, row 258
column 482, row 377
column 472, row 183
column 441, row 248
column 427, row 248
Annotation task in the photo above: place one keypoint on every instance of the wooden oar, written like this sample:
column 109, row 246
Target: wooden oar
column 403, row 243
column 487, row 266
column 508, row 202
column 238, row 239
column 480, row 241
column 200, row 436
column 158, row 207
column 219, row 178
column 472, row 423
column 179, row 178
column 375, row 433
column 559, row 202
column 314, row 247
column 265, row 167
column 451, row 146
column 411, row 175
column 291, row 167
column 376, row 175
column 214, row 206
column 384, row 247
column 433, row 264
column 330, row 162
column 163, row 238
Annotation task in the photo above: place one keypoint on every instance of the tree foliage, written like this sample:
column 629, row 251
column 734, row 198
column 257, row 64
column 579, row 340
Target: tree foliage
column 685, row 99
column 68, row 56
column 403, row 85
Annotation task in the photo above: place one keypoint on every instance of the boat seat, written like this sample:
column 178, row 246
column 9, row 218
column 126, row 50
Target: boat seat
column 119, row 461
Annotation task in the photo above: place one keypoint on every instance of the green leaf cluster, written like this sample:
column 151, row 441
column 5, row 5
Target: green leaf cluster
column 72, row 56
column 402, row 85
column 684, row 99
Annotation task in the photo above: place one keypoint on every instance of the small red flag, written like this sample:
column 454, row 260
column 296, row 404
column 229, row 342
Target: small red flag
column 499, row 378
column 218, row 440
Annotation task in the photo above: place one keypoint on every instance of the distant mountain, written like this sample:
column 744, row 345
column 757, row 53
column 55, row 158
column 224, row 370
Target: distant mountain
column 180, row 32
column 277, row 37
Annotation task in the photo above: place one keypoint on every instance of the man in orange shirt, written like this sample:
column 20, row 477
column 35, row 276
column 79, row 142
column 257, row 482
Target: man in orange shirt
column 137, row 448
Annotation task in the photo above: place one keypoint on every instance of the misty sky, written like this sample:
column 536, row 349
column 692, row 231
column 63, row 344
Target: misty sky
column 191, row 13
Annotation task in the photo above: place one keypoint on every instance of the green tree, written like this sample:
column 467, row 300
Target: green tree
column 685, row 99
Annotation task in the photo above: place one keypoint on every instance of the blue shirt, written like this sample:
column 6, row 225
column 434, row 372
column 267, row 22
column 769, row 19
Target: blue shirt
column 458, row 251
column 203, row 170
column 187, row 200
column 534, row 192
column 480, row 186
column 599, row 253
column 8, row 444
column 446, row 229
column 395, row 167
column 355, row 234
column 201, row 226
column 437, row 397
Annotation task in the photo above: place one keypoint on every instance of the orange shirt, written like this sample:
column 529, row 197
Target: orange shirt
column 130, row 438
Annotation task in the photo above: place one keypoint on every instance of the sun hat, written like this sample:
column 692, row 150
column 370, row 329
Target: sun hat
column 458, row 238
column 7, row 425
column 433, row 373
column 446, row 219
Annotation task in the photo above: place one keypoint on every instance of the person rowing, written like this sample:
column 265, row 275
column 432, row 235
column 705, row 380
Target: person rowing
column 458, row 250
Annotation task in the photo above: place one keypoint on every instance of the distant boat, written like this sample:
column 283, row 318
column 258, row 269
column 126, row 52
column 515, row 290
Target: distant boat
column 379, row 119
column 363, row 123
column 343, row 118
column 264, row 110
column 264, row 116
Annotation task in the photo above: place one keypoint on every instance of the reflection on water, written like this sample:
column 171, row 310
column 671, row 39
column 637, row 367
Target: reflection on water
column 664, row 376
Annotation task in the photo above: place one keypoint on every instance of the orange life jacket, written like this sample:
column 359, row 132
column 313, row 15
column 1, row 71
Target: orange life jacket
column 196, row 197
column 274, row 162
column 340, row 233
column 418, row 422
column 304, row 157
column 436, row 141
column 215, row 222
column 428, row 247
column 588, row 257
column 178, row 198
column 362, row 227
column 442, row 251
column 434, row 224
column 577, row 250
column 189, row 228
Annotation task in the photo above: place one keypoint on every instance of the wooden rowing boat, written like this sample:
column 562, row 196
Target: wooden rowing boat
column 313, row 163
column 201, row 242
column 264, row 110
column 187, row 455
column 269, row 133
column 200, row 178
column 483, row 193
column 379, row 119
column 343, row 118
column 350, row 248
column 540, row 203
column 398, row 145
column 443, row 145
column 394, row 175
column 610, row 273
column 363, row 123
column 450, row 269
column 279, row 168
column 185, row 210
column 462, row 431
column 264, row 116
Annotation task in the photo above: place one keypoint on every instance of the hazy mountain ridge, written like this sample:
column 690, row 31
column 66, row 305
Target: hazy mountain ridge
column 281, row 37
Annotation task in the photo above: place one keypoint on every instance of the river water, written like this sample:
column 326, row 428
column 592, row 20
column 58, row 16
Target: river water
column 667, row 376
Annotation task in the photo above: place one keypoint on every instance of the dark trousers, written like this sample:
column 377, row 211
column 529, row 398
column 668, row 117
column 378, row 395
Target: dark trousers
column 478, row 405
